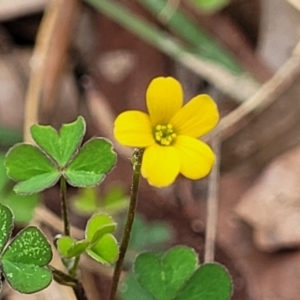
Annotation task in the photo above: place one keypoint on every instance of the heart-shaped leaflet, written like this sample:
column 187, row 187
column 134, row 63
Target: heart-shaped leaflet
column 163, row 276
column 24, row 260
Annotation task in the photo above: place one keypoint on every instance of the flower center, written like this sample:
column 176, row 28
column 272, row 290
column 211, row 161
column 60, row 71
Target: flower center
column 164, row 134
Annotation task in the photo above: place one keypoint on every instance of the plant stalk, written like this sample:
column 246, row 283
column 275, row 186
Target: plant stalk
column 212, row 205
column 136, row 162
column 64, row 208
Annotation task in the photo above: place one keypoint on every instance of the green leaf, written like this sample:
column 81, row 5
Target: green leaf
column 88, row 168
column 69, row 247
column 60, row 146
column 210, row 6
column 106, row 251
column 99, row 225
column 210, row 282
column 37, row 184
column 26, row 278
column 64, row 243
column 3, row 177
column 26, row 163
column 164, row 276
column 24, row 259
column 6, row 225
column 131, row 289
column 78, row 248
column 29, row 247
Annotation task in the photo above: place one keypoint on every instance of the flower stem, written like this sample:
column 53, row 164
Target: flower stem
column 73, row 270
column 212, row 206
column 136, row 162
column 64, row 208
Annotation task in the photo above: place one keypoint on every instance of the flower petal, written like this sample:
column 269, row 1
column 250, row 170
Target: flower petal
column 196, row 157
column 160, row 165
column 197, row 117
column 164, row 98
column 133, row 129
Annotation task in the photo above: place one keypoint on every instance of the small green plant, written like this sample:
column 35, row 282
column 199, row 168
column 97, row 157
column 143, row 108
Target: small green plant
column 99, row 243
column 176, row 275
column 59, row 156
column 23, row 261
column 167, row 145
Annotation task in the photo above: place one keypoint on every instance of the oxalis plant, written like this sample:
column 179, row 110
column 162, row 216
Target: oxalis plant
column 166, row 144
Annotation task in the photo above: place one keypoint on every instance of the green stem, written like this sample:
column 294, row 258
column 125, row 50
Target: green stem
column 136, row 161
column 73, row 270
column 76, row 284
column 64, row 208
column 66, row 279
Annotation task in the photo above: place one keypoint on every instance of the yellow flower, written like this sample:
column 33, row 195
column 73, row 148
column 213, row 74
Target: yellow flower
column 170, row 132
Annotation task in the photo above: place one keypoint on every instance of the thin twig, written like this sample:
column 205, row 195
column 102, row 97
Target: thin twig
column 48, row 53
column 38, row 68
column 262, row 99
column 212, row 205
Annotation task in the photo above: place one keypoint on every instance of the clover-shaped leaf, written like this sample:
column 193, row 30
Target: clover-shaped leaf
column 26, row 163
column 69, row 247
column 106, row 250
column 58, row 154
column 89, row 167
column 164, row 276
column 60, row 146
column 99, row 225
column 6, row 225
column 211, row 281
column 99, row 243
column 175, row 276
column 24, row 260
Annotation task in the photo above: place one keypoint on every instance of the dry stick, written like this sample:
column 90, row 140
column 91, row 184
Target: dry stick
column 49, row 53
column 58, row 53
column 212, row 205
column 32, row 97
column 262, row 99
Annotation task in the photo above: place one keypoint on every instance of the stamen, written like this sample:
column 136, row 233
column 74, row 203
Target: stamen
column 164, row 134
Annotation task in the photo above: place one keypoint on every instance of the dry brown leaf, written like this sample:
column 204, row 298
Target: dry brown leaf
column 272, row 205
